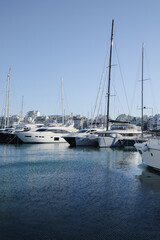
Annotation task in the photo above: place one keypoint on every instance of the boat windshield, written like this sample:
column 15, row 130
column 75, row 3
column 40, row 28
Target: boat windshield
column 92, row 131
column 52, row 130
column 42, row 130
column 82, row 131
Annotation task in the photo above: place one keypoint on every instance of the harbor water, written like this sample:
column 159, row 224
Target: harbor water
column 54, row 192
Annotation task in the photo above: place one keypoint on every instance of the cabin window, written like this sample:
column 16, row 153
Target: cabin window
column 56, row 139
column 27, row 136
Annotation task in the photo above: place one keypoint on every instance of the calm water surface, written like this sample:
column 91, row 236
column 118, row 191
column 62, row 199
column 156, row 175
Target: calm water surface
column 54, row 192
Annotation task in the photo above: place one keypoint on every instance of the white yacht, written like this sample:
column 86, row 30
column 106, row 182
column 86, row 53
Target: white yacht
column 50, row 134
column 119, row 135
column 150, row 151
column 84, row 137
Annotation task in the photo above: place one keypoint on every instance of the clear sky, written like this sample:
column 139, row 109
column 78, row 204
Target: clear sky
column 45, row 40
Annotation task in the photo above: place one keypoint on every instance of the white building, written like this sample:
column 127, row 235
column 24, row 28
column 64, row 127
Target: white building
column 31, row 116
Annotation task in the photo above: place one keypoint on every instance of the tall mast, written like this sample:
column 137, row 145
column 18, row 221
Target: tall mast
column 109, row 78
column 5, row 114
column 62, row 101
column 142, row 84
column 6, row 120
column 22, row 107
column 9, row 75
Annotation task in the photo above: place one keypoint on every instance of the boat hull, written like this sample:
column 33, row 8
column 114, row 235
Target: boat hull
column 150, row 152
column 71, row 141
column 86, row 141
column 104, row 142
column 40, row 137
column 152, row 158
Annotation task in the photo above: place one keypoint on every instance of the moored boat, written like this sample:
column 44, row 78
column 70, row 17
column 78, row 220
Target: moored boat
column 83, row 137
column 150, row 152
column 52, row 134
column 119, row 134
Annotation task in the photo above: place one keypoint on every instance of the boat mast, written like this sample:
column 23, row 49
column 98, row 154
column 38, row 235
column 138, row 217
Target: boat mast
column 6, row 123
column 109, row 78
column 142, row 85
column 9, row 79
column 22, row 107
column 5, row 115
column 62, row 101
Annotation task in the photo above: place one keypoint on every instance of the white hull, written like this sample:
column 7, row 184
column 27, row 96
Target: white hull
column 104, row 142
column 40, row 137
column 84, row 137
column 150, row 152
column 152, row 158
column 117, row 136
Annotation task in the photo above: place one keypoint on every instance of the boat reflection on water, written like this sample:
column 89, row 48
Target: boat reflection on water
column 150, row 178
column 123, row 159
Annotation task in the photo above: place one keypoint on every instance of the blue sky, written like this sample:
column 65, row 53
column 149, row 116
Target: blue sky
column 45, row 40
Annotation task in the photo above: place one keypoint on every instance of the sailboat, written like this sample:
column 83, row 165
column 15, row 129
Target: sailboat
column 150, row 149
column 119, row 131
